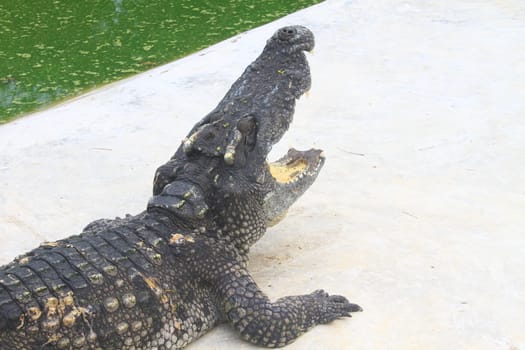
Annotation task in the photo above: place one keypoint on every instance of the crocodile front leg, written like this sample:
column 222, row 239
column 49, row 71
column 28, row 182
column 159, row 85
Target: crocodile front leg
column 278, row 323
column 250, row 311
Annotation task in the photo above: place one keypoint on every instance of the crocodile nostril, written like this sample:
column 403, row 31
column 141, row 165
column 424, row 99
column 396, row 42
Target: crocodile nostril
column 287, row 33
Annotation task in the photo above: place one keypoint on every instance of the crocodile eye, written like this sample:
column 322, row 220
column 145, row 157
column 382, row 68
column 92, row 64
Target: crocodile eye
column 287, row 33
column 248, row 128
column 246, row 125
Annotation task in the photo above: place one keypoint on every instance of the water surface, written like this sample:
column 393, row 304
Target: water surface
column 54, row 49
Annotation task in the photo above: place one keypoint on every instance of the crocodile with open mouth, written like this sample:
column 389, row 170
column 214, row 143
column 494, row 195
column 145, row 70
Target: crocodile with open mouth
column 162, row 278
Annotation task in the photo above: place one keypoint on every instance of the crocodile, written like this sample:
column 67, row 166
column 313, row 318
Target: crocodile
column 162, row 278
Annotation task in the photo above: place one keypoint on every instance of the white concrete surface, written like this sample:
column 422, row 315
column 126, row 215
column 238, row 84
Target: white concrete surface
column 418, row 215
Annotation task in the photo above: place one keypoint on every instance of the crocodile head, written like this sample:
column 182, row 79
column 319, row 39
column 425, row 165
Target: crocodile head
column 263, row 98
column 226, row 152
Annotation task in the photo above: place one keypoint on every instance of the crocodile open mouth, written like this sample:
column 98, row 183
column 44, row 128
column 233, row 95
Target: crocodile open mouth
column 289, row 171
column 296, row 165
column 294, row 173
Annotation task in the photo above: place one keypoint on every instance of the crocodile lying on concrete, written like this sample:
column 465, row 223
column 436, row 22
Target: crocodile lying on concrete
column 162, row 278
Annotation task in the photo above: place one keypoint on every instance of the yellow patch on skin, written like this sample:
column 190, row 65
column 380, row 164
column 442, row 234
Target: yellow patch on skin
column 52, row 339
column 51, row 306
column 85, row 313
column 70, row 319
column 162, row 294
column 154, row 286
column 285, row 173
column 22, row 319
column 68, row 299
column 178, row 238
column 34, row 313
column 64, row 307
column 152, row 283
column 164, row 299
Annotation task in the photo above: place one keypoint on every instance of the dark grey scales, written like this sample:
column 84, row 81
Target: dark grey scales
column 162, row 278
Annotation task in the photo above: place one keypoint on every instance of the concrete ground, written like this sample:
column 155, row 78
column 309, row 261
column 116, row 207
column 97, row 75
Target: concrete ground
column 419, row 212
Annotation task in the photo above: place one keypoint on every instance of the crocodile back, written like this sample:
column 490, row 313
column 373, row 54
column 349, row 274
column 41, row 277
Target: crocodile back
column 110, row 286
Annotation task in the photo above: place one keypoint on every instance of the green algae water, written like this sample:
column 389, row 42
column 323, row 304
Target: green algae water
column 54, row 49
